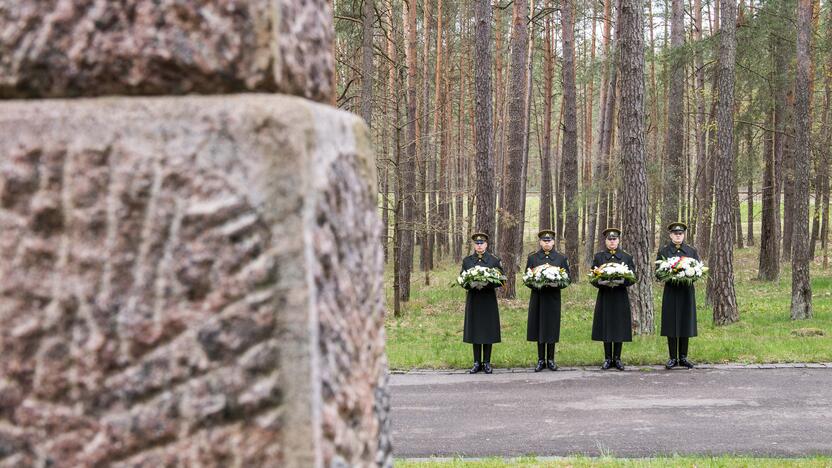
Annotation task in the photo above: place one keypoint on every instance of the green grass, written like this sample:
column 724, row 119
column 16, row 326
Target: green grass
column 658, row 462
column 428, row 334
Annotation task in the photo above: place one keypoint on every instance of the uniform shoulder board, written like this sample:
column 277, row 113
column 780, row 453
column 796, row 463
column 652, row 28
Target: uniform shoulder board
column 532, row 253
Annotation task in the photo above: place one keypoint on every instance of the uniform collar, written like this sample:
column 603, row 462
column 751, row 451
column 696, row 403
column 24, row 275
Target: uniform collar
column 679, row 248
column 543, row 253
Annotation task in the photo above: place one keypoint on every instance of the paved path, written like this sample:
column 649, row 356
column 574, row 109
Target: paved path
column 782, row 410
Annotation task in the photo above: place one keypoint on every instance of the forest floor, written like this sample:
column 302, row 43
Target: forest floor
column 428, row 333
column 682, row 417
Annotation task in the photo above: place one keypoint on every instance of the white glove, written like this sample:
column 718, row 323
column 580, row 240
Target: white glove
column 619, row 281
column 603, row 282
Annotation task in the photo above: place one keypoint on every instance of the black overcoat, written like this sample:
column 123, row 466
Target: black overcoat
column 678, row 301
column 612, row 321
column 543, row 324
column 482, row 316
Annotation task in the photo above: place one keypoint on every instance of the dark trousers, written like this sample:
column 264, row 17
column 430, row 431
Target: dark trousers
column 612, row 350
column 548, row 349
column 677, row 347
column 482, row 352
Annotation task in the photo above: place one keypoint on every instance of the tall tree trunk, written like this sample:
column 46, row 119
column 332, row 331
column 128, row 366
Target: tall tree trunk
column 570, row 137
column 439, row 194
column 630, row 32
column 498, row 123
column 460, row 161
column 825, row 155
column 544, row 215
column 801, row 285
column 769, row 269
column 600, row 169
column 425, row 152
column 511, row 204
column 788, row 178
column 384, row 162
column 558, row 170
column 408, row 167
column 674, row 146
column 749, row 143
column 368, row 17
column 723, row 296
column 736, row 193
column 700, row 181
column 527, row 103
column 485, row 158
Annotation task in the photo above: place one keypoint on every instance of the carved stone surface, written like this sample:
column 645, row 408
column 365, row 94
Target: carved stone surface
column 192, row 281
column 68, row 48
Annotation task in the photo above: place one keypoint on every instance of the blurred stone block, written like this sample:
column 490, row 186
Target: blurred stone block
column 192, row 281
column 72, row 48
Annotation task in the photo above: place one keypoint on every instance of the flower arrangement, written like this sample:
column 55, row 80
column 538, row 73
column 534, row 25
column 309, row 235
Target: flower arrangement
column 546, row 276
column 479, row 277
column 611, row 274
column 680, row 270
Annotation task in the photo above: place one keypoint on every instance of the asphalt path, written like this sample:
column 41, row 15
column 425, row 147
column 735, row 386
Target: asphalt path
column 641, row 412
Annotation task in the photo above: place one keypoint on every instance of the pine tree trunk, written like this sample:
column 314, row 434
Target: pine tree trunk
column 570, row 138
column 788, row 178
column 631, row 124
column 526, row 135
column 407, row 168
column 485, row 194
column 544, row 215
column 736, row 196
column 511, row 204
column 700, row 192
column 801, row 285
column 368, row 17
column 825, row 155
column 723, row 296
column 598, row 191
column 674, row 146
column 460, row 159
column 750, row 179
column 425, row 151
column 769, row 269
column 439, row 197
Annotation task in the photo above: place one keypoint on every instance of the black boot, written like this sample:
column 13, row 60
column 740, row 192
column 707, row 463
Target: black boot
column 683, row 353
column 477, row 367
column 550, row 357
column 486, row 367
column 607, row 356
column 541, row 357
column 672, row 349
column 616, row 356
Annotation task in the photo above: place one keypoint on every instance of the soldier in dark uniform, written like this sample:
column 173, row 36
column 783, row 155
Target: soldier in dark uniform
column 544, row 306
column 678, row 301
column 612, row 322
column 482, row 317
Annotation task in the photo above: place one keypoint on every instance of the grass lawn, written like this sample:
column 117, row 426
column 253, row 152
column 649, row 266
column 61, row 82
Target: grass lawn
column 659, row 462
column 428, row 334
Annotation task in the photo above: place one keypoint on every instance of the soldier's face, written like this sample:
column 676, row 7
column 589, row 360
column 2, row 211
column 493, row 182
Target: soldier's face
column 480, row 248
column 677, row 236
column 547, row 244
column 612, row 244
